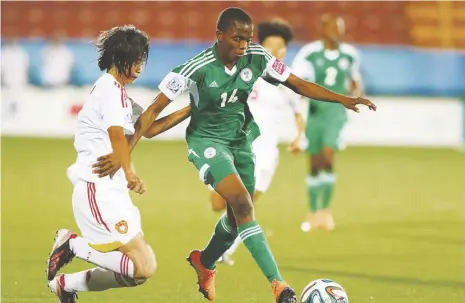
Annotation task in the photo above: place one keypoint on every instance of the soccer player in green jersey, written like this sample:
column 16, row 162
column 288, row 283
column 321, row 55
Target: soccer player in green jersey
column 220, row 134
column 334, row 65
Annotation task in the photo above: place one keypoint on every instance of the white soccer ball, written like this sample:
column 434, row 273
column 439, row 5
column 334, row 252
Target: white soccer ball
column 324, row 291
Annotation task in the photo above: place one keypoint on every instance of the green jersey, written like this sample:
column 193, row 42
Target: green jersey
column 218, row 95
column 332, row 69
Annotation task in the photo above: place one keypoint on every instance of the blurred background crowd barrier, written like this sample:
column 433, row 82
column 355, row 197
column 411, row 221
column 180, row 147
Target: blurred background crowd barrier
column 413, row 59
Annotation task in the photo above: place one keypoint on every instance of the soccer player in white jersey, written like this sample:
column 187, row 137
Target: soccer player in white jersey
column 112, row 237
column 267, row 102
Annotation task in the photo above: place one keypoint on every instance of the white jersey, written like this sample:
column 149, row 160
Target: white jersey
column 267, row 103
column 107, row 105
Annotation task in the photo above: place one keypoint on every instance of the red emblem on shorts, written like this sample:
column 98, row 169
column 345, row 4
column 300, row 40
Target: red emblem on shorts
column 122, row 227
column 278, row 67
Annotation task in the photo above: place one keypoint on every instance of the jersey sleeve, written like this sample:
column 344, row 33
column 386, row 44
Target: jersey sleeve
column 182, row 77
column 173, row 85
column 274, row 71
column 112, row 107
column 303, row 68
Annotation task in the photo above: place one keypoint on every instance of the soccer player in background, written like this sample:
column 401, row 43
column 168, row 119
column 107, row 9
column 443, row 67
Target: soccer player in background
column 112, row 238
column 266, row 103
column 334, row 65
column 219, row 137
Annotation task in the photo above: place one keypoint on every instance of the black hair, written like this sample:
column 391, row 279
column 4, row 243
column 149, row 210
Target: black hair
column 122, row 47
column 275, row 27
column 229, row 15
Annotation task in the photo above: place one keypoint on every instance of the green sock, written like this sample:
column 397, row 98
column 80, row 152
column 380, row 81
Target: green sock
column 313, row 188
column 222, row 239
column 255, row 241
column 327, row 186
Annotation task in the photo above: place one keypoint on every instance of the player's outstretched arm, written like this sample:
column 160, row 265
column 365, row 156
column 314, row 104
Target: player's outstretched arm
column 163, row 124
column 317, row 92
column 148, row 117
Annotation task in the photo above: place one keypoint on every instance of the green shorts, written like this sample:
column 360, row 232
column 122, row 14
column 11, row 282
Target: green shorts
column 323, row 134
column 214, row 161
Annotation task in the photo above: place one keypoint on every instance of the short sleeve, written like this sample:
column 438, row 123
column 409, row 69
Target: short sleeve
column 112, row 108
column 273, row 70
column 277, row 70
column 182, row 77
column 173, row 85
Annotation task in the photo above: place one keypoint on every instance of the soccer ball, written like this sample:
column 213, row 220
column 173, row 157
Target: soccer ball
column 324, row 291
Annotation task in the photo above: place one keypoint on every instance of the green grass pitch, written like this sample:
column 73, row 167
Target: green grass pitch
column 400, row 235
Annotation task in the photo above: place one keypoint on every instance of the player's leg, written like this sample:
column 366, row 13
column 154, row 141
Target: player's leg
column 112, row 240
column 315, row 165
column 266, row 162
column 214, row 162
column 220, row 172
column 327, row 176
column 237, row 192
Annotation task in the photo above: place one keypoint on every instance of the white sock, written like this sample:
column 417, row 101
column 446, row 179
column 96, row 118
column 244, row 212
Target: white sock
column 76, row 281
column 115, row 261
column 234, row 247
column 96, row 279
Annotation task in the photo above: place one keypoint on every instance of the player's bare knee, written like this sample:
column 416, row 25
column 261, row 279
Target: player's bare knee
column 145, row 268
column 242, row 206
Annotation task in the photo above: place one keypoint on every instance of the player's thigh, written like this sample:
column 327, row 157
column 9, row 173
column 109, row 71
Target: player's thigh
column 105, row 216
column 213, row 161
column 244, row 161
column 238, row 199
column 266, row 162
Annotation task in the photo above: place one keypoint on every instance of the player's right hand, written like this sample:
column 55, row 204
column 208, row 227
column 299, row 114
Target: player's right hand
column 135, row 184
column 106, row 165
column 351, row 103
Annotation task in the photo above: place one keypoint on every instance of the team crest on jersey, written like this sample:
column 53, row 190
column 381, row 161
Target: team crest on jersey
column 174, row 85
column 246, row 74
column 122, row 227
column 343, row 63
column 209, row 153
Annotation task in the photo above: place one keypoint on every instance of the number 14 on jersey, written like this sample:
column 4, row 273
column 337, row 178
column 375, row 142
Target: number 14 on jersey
column 232, row 98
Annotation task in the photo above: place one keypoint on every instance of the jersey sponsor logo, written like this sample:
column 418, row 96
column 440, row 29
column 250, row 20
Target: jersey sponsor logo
column 174, row 85
column 246, row 74
column 209, row 153
column 122, row 227
column 343, row 63
column 213, row 84
column 278, row 67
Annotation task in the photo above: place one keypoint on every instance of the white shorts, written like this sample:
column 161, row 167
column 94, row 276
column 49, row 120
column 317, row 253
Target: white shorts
column 106, row 216
column 267, row 158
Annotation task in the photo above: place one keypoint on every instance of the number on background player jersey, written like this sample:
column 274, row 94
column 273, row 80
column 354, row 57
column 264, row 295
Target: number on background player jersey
column 330, row 76
column 232, row 98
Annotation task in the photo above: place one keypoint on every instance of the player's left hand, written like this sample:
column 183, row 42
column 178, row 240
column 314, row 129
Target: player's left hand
column 294, row 146
column 106, row 165
column 351, row 103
